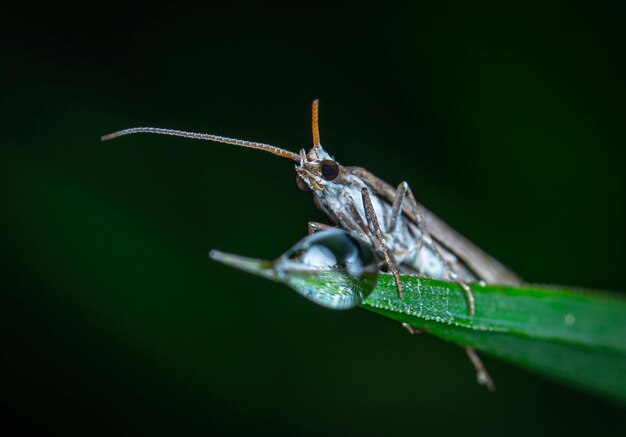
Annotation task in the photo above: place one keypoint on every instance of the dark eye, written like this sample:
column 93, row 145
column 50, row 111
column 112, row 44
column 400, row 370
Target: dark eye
column 301, row 184
column 330, row 169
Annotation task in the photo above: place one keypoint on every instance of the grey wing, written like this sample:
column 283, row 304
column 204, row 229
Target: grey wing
column 485, row 267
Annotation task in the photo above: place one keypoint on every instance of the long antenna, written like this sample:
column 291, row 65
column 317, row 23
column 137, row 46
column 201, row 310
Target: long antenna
column 179, row 133
column 314, row 123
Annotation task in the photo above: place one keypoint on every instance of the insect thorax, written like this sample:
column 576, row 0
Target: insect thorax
column 342, row 201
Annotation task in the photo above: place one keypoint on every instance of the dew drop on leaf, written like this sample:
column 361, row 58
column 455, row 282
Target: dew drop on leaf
column 332, row 268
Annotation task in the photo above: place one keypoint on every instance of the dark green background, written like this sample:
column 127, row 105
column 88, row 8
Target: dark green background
column 507, row 121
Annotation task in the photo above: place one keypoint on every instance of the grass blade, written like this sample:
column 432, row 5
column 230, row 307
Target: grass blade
column 577, row 337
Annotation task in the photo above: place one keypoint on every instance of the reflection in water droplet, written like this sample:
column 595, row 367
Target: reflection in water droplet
column 345, row 269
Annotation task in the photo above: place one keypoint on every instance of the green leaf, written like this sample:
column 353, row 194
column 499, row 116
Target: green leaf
column 577, row 337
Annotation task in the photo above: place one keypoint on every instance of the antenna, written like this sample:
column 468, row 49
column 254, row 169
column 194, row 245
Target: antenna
column 179, row 133
column 314, row 122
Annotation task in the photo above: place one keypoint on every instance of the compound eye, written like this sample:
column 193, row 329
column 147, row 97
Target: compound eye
column 330, row 169
column 302, row 184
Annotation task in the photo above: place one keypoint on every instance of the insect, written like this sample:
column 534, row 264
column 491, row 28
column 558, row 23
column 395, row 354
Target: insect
column 407, row 237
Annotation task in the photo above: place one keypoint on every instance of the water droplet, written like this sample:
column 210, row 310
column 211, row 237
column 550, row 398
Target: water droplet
column 345, row 269
column 570, row 319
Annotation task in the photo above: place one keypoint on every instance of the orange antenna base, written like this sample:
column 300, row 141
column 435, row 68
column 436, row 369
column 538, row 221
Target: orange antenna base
column 315, row 125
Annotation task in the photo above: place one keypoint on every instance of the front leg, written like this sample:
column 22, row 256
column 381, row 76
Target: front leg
column 313, row 227
column 372, row 221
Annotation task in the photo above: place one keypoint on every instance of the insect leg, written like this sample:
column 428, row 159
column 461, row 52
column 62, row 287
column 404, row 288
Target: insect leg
column 426, row 238
column 465, row 287
column 372, row 220
column 349, row 224
column 481, row 372
column 396, row 213
column 412, row 330
column 396, row 208
column 313, row 227
column 356, row 216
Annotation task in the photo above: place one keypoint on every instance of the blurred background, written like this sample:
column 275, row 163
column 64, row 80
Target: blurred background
column 506, row 120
